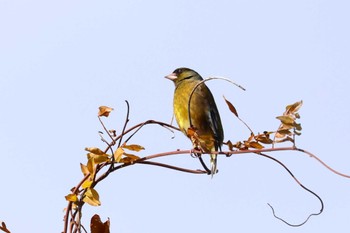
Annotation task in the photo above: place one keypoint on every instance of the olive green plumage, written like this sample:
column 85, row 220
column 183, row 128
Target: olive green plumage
column 205, row 116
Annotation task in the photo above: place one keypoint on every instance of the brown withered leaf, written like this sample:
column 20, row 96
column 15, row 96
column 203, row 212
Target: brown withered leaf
column 84, row 169
column 131, row 156
column 239, row 145
column 286, row 120
column 94, row 150
column 297, row 133
column 4, row 228
column 284, row 132
column 96, row 225
column 113, row 132
column 126, row 160
column 245, row 145
column 118, row 154
column 230, row 145
column 97, row 155
column 91, row 197
column 231, row 107
column 91, row 166
column 255, row 145
column 298, row 126
column 71, row 197
column 251, row 137
column 293, row 108
column 285, row 139
column 87, row 184
column 133, row 147
column 263, row 138
column 100, row 158
column 104, row 111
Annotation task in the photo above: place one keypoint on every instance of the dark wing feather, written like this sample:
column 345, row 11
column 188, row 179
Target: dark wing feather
column 212, row 114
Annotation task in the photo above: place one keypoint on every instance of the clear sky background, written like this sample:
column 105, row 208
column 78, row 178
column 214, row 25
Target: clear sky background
column 60, row 60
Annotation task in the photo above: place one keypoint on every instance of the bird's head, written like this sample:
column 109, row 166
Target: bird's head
column 182, row 74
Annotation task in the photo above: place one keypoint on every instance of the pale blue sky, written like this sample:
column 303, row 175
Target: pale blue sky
column 60, row 60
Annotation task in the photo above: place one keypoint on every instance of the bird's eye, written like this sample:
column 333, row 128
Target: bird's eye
column 178, row 71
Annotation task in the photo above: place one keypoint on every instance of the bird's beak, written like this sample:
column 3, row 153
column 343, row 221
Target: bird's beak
column 171, row 76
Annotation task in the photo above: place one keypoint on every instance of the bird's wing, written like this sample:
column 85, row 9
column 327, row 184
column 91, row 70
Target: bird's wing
column 213, row 115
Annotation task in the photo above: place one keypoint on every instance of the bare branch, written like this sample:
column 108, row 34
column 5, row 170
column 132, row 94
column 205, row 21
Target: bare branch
column 296, row 180
column 173, row 167
column 323, row 163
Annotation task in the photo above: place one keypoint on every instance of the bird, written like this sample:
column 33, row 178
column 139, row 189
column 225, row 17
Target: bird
column 203, row 117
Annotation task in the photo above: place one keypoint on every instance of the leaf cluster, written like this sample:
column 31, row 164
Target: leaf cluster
column 287, row 130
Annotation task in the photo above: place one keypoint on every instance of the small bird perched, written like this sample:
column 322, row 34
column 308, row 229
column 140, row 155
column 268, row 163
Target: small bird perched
column 203, row 116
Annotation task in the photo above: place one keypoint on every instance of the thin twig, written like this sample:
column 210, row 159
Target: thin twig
column 323, row 163
column 125, row 124
column 172, row 167
column 104, row 127
column 292, row 175
column 203, row 81
column 203, row 164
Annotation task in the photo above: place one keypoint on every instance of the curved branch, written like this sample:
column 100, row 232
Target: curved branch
column 172, row 167
column 296, row 180
column 125, row 123
column 203, row 81
column 138, row 127
column 323, row 163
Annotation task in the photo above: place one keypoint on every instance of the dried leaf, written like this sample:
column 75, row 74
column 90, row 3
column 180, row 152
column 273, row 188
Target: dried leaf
column 91, row 166
column 84, row 169
column 284, row 132
column 4, row 228
column 293, row 108
column 126, row 160
column 297, row 133
column 251, row 137
column 118, row 154
column 239, row 145
column 113, row 132
column 298, row 126
column 94, row 150
column 263, row 139
column 285, row 140
column 98, row 155
column 255, row 145
column 230, row 145
column 133, row 147
column 101, row 158
column 96, row 225
column 134, row 157
column 91, row 197
column 71, row 197
column 130, row 158
column 286, row 120
column 231, row 107
column 87, row 184
column 104, row 111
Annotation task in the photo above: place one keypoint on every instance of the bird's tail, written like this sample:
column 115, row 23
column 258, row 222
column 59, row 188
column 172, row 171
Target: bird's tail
column 213, row 162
